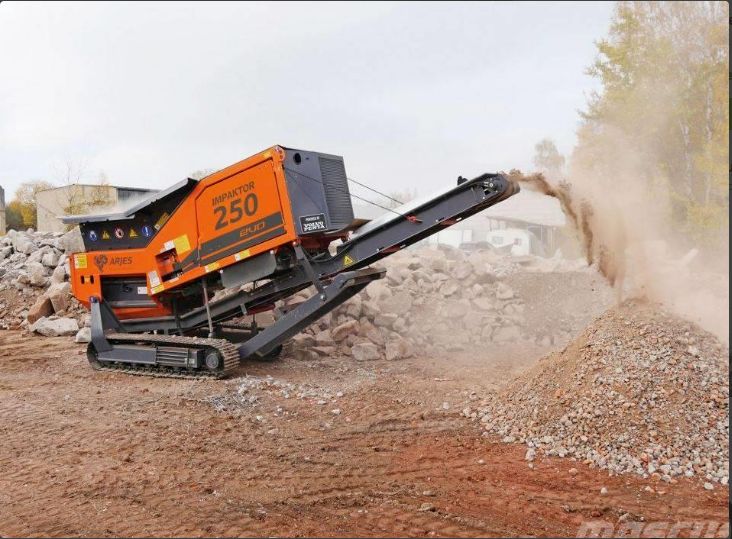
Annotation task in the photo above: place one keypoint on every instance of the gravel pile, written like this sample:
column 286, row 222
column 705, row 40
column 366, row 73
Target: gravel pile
column 443, row 300
column 640, row 391
column 249, row 390
column 34, row 282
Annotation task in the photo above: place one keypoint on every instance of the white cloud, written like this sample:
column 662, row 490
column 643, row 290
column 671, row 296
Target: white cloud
column 412, row 94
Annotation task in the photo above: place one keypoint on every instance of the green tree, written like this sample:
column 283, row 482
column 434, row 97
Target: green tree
column 663, row 70
column 14, row 216
column 25, row 201
column 547, row 158
column 81, row 199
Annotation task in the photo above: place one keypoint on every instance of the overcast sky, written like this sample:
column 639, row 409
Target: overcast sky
column 412, row 95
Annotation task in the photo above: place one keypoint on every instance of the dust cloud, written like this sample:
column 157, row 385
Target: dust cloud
column 625, row 231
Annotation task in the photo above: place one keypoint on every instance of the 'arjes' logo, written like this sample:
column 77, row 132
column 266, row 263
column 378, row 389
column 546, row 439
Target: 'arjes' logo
column 121, row 260
column 102, row 260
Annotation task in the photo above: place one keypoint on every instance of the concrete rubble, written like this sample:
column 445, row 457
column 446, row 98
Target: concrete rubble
column 35, row 292
column 437, row 300
column 443, row 300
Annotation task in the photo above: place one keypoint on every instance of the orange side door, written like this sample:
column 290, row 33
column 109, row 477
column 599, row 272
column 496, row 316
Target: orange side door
column 239, row 212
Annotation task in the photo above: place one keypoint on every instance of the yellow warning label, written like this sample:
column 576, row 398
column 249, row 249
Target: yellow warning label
column 211, row 267
column 80, row 261
column 156, row 289
column 162, row 220
column 133, row 234
column 105, row 235
column 347, row 261
column 241, row 255
column 154, row 278
column 181, row 244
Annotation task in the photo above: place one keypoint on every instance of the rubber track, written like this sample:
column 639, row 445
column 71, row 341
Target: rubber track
column 228, row 352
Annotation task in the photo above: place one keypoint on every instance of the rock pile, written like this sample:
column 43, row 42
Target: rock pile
column 437, row 301
column 640, row 391
column 35, row 290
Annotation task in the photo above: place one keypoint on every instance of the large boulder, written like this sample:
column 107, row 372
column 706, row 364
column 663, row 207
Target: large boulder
column 397, row 347
column 377, row 290
column 484, row 304
column 54, row 326
column 50, row 259
column 22, row 243
column 448, row 288
column 83, row 335
column 373, row 334
column 71, row 242
column 42, row 307
column 302, row 347
column 503, row 291
column 324, row 338
column 353, row 307
column 385, row 320
column 37, row 274
column 462, row 271
column 438, row 264
column 59, row 274
column 365, row 351
column 399, row 303
column 60, row 296
column 344, row 330
column 36, row 255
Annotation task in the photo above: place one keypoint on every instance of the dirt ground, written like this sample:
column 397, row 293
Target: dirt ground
column 330, row 448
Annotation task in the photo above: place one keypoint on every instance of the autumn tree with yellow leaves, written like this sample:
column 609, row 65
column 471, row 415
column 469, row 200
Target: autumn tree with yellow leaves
column 664, row 103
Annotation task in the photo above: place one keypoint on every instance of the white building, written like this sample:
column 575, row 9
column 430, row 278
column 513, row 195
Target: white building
column 526, row 223
column 81, row 198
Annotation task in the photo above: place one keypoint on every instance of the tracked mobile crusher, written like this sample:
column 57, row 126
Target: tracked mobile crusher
column 148, row 273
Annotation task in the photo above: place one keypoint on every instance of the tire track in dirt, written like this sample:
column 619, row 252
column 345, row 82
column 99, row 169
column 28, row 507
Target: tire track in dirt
column 125, row 456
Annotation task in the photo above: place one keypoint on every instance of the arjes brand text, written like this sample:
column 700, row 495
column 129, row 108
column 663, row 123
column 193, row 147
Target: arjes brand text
column 102, row 260
column 234, row 193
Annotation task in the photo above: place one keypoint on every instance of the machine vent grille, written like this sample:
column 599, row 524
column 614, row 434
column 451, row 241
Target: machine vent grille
column 171, row 356
column 337, row 196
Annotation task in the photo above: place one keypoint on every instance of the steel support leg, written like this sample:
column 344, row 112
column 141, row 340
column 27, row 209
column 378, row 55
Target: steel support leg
column 342, row 287
column 102, row 318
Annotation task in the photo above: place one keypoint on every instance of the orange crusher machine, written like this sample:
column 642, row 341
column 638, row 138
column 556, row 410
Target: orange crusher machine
column 266, row 222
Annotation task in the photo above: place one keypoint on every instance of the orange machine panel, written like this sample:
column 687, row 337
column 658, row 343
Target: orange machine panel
column 239, row 212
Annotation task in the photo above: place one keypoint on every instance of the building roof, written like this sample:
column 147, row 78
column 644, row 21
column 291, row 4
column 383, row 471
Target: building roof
column 528, row 207
column 118, row 187
column 129, row 213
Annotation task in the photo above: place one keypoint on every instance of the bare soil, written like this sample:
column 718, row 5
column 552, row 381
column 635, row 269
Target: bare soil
column 102, row 454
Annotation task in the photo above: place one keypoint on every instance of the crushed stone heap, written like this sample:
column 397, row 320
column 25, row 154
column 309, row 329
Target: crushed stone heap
column 639, row 391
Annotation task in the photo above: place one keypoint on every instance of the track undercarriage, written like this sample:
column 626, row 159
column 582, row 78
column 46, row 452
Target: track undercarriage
column 191, row 356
